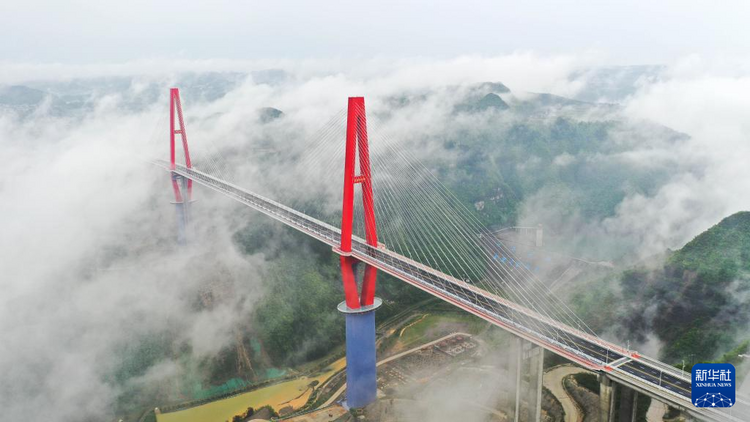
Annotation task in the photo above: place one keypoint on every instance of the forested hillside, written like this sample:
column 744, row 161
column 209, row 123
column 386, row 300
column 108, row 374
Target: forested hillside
column 510, row 158
column 499, row 153
column 701, row 293
column 525, row 147
column 693, row 302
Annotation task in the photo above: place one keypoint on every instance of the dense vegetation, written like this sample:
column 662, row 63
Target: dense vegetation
column 517, row 152
column 501, row 156
column 511, row 164
column 733, row 356
column 502, row 165
column 695, row 303
column 297, row 319
column 499, row 163
column 588, row 381
column 708, row 279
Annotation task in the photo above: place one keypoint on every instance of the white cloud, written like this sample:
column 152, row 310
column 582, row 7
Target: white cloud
column 87, row 227
column 715, row 112
column 89, row 263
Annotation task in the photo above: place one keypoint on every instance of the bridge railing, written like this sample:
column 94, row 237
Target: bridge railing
column 485, row 304
column 401, row 264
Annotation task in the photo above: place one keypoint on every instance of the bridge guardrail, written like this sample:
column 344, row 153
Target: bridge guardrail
column 487, row 305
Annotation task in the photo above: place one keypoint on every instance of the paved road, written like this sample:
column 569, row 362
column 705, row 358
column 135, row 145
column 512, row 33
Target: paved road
column 553, row 380
column 572, row 344
column 656, row 411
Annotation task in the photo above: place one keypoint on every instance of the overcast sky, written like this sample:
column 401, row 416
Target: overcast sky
column 620, row 32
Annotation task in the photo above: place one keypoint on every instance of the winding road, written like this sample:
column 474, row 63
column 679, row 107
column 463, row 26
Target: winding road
column 553, row 380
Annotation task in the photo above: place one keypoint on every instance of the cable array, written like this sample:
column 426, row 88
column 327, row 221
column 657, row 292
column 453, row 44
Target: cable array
column 420, row 218
column 416, row 216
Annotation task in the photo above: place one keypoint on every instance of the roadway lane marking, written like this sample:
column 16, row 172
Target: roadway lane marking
column 619, row 362
column 664, row 383
column 595, row 352
column 657, row 371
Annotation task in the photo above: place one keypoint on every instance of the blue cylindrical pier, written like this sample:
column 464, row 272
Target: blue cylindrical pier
column 183, row 210
column 181, row 222
column 361, row 371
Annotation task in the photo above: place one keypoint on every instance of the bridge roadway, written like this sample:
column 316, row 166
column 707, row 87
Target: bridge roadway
column 643, row 374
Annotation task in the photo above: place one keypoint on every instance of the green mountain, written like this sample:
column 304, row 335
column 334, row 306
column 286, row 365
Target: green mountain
column 700, row 298
column 722, row 251
column 500, row 153
column 19, row 95
column 492, row 100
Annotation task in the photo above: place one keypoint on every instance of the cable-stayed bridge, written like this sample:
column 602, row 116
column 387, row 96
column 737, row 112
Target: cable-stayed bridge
column 406, row 223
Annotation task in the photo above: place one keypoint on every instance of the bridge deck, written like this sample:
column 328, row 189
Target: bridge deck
column 643, row 374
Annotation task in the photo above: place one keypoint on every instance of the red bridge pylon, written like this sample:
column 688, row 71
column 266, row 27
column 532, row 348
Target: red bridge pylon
column 357, row 144
column 361, row 372
column 181, row 201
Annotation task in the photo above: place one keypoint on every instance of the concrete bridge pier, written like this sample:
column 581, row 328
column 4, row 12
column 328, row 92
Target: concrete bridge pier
column 628, row 404
column 607, row 390
column 607, row 395
column 529, row 377
column 361, row 369
column 539, row 241
column 182, row 209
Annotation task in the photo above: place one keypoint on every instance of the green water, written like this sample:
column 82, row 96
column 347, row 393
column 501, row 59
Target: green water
column 275, row 373
column 229, row 386
column 255, row 344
